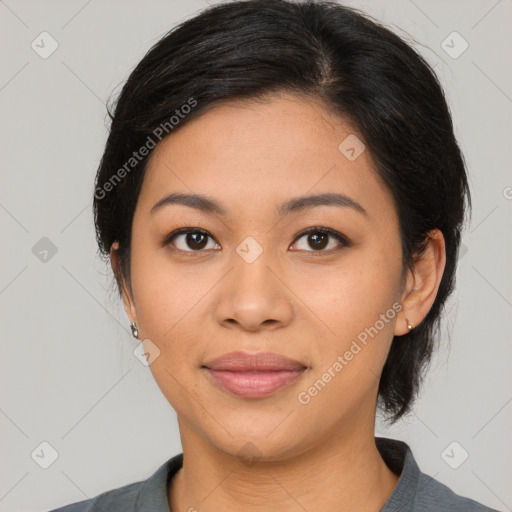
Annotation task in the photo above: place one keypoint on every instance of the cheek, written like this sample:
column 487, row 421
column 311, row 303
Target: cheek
column 356, row 303
column 165, row 294
column 351, row 295
column 357, row 300
column 168, row 303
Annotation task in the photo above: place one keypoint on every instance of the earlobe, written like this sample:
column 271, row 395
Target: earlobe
column 128, row 302
column 422, row 283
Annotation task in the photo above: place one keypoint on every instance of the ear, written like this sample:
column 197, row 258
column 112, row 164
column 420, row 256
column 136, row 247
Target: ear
column 422, row 283
column 128, row 302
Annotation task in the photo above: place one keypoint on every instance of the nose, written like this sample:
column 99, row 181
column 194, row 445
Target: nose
column 253, row 296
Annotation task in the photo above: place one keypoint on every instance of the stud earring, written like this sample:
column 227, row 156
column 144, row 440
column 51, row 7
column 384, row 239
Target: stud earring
column 135, row 331
column 409, row 326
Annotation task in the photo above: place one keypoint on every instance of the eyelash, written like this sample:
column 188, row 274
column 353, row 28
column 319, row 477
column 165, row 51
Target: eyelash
column 342, row 239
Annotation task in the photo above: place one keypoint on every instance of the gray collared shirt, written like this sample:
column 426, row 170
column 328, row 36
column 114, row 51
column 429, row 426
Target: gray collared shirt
column 415, row 491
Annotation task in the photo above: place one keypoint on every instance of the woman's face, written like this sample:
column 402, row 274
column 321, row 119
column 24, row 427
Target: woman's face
column 250, row 281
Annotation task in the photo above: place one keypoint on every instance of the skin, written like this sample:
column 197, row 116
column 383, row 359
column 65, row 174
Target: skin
column 301, row 302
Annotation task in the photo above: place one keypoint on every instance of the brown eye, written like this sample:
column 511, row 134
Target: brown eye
column 190, row 240
column 318, row 239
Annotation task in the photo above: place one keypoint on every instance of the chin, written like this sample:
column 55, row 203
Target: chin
column 251, row 444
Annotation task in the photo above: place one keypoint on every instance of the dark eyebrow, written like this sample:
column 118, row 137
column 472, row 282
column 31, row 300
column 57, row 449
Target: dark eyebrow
column 328, row 199
column 297, row 204
column 196, row 201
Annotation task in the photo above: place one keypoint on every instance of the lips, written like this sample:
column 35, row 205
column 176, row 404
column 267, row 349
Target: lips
column 262, row 361
column 253, row 375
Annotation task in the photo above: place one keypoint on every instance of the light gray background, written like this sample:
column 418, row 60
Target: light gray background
column 68, row 374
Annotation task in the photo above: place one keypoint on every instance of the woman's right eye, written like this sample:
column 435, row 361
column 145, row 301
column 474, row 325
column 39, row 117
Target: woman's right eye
column 190, row 240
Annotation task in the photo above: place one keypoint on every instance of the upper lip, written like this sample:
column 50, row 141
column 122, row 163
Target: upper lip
column 261, row 361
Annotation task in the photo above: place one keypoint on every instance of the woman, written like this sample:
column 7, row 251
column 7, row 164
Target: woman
column 281, row 198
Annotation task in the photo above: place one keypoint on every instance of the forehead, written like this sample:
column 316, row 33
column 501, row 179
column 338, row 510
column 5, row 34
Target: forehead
column 251, row 155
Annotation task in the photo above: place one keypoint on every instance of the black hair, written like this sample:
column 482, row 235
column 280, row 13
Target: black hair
column 319, row 49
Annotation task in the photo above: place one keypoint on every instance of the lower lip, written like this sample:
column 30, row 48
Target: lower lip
column 254, row 384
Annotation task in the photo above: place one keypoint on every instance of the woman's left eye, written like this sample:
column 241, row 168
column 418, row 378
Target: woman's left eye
column 318, row 239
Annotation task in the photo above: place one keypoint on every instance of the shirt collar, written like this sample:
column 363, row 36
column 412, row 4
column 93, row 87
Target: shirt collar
column 400, row 460
column 152, row 496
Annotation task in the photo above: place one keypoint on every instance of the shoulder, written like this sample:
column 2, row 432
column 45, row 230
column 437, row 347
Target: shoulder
column 433, row 495
column 417, row 491
column 122, row 499
column 145, row 496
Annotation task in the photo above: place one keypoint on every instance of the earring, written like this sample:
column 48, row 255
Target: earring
column 135, row 331
column 409, row 326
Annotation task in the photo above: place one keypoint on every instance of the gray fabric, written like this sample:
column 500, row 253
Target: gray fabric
column 415, row 491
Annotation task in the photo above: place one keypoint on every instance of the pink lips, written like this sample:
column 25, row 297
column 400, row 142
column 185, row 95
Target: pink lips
column 254, row 375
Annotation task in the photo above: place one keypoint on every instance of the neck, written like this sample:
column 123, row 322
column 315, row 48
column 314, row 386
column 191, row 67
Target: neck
column 335, row 476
